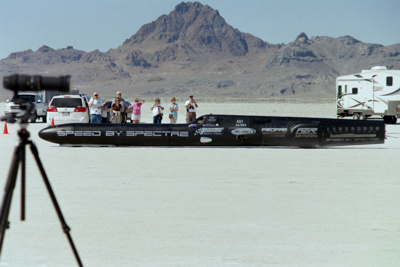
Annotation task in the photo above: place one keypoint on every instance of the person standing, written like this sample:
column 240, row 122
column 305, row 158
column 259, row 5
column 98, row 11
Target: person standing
column 190, row 106
column 104, row 114
column 173, row 111
column 136, row 110
column 157, row 109
column 123, row 105
column 116, row 108
column 95, row 105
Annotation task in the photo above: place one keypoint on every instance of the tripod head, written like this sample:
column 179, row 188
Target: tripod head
column 24, row 116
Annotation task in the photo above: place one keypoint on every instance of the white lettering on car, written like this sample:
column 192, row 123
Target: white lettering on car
column 127, row 133
column 79, row 133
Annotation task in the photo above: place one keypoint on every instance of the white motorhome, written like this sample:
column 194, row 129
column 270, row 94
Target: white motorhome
column 374, row 92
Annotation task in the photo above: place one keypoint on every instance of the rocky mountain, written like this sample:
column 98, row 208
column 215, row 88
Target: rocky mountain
column 310, row 66
column 194, row 50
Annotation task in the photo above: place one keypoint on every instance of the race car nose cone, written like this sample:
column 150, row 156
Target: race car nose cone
column 50, row 133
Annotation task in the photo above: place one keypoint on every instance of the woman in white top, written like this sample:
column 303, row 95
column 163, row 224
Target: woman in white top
column 157, row 109
column 95, row 105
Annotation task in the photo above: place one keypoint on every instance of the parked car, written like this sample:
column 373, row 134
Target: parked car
column 87, row 97
column 34, row 98
column 128, row 111
column 68, row 109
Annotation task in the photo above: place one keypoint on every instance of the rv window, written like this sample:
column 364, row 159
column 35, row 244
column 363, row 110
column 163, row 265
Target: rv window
column 345, row 89
column 339, row 91
column 354, row 90
column 389, row 81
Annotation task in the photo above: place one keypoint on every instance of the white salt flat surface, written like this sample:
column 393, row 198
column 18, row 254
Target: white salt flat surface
column 131, row 206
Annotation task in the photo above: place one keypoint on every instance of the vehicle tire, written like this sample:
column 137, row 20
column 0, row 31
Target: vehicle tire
column 356, row 116
column 44, row 118
column 390, row 119
column 363, row 117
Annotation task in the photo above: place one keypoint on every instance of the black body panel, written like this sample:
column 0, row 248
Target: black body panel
column 223, row 130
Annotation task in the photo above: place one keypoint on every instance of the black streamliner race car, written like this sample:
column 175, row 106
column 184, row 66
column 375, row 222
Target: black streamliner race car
column 223, row 130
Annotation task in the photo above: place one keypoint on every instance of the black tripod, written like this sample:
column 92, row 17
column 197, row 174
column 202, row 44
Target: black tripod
column 19, row 158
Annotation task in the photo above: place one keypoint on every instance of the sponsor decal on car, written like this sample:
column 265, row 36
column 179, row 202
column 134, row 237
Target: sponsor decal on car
column 209, row 131
column 243, row 131
column 307, row 132
column 274, row 132
column 352, row 133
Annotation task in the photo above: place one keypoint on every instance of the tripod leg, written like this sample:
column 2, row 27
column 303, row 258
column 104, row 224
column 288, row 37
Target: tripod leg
column 9, row 189
column 65, row 227
column 23, row 175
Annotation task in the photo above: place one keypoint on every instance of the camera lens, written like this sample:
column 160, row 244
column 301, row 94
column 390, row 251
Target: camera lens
column 37, row 83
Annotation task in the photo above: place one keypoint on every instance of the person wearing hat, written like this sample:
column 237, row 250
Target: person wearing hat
column 190, row 106
column 95, row 106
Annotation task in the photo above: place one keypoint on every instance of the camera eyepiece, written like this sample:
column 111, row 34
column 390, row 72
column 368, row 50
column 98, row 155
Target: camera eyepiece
column 18, row 82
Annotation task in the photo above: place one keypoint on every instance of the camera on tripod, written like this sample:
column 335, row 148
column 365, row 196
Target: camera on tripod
column 18, row 83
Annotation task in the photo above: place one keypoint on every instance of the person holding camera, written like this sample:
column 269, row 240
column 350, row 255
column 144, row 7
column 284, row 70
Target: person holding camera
column 95, row 105
column 190, row 106
column 157, row 109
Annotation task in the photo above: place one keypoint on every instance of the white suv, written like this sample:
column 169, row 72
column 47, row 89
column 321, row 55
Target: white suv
column 68, row 109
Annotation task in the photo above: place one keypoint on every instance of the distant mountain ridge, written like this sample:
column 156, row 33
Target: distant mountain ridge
column 197, row 26
column 194, row 50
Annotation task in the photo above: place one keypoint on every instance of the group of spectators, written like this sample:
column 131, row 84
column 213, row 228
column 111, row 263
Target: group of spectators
column 158, row 108
column 99, row 111
column 118, row 112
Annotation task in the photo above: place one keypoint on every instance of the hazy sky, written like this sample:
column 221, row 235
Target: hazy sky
column 101, row 24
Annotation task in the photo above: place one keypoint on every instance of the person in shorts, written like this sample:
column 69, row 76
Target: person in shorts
column 136, row 110
column 190, row 106
column 173, row 111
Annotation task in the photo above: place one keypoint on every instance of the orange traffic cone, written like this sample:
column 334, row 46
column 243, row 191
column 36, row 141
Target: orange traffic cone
column 52, row 121
column 5, row 129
